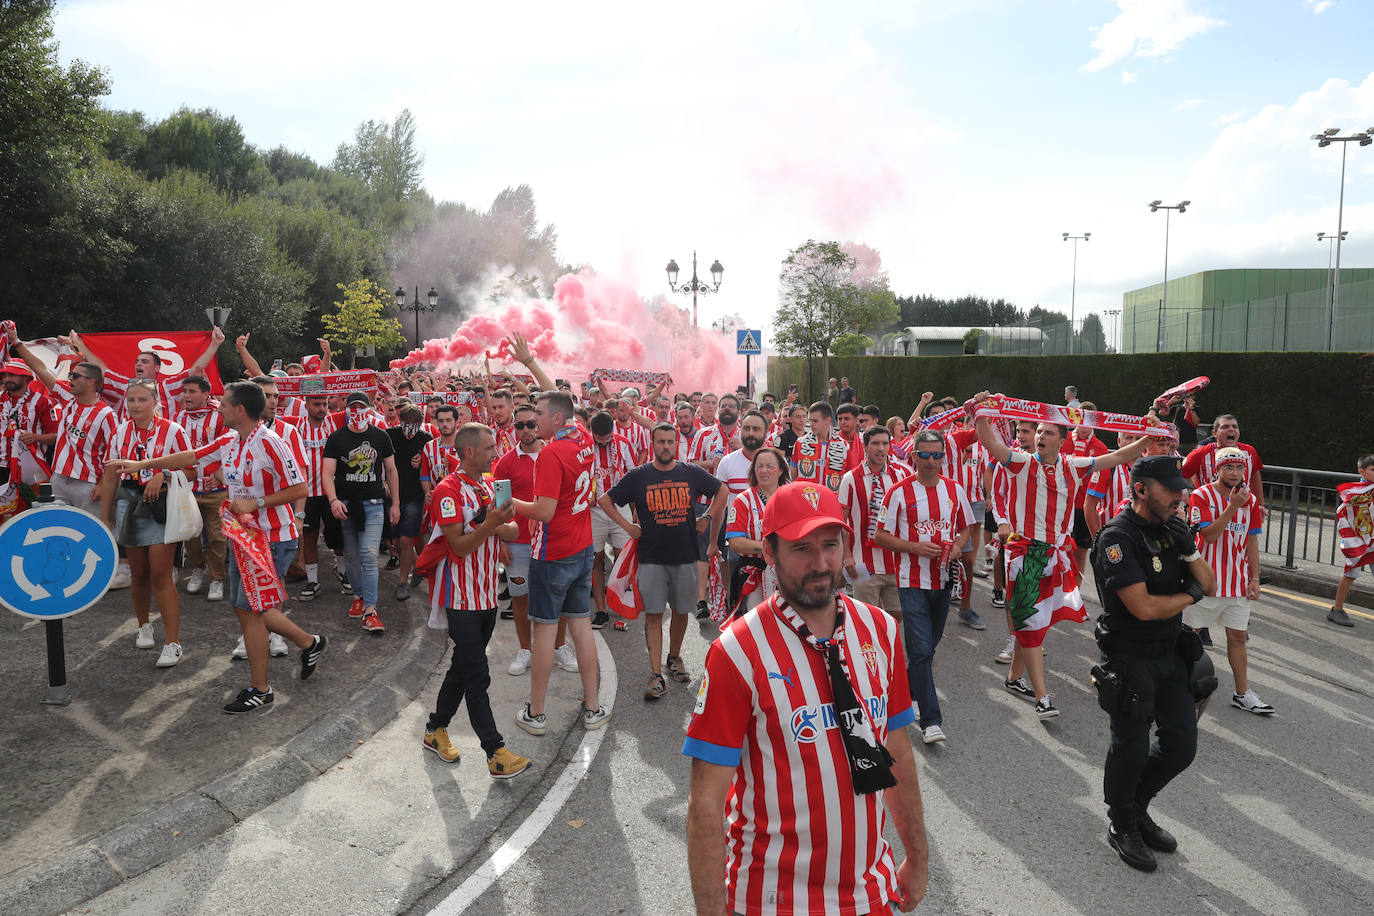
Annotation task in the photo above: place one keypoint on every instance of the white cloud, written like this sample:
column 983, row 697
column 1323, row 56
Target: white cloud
column 1320, row 6
column 1129, row 76
column 1188, row 104
column 1229, row 117
column 1148, row 28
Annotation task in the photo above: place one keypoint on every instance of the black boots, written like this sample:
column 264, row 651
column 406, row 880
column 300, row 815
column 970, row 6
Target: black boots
column 1124, row 835
column 1155, row 836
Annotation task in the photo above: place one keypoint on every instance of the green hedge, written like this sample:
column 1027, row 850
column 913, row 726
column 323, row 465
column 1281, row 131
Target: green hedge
column 1313, row 410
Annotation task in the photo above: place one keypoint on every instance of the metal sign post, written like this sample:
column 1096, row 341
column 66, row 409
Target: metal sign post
column 750, row 344
column 59, row 561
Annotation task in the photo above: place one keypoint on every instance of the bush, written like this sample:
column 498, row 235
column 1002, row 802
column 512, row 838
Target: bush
column 1298, row 409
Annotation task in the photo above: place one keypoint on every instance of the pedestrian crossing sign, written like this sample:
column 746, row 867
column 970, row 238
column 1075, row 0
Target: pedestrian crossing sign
column 749, row 342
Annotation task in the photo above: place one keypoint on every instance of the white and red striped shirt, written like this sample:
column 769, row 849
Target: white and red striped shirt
column 684, row 445
column 1111, row 487
column 710, row 443
column 505, row 438
column 968, row 471
column 798, row 839
column 934, row 514
column 292, row 435
column 1088, row 446
column 292, row 409
column 1226, row 555
column 312, row 443
column 203, row 427
column 1201, row 463
column 1040, row 500
column 169, row 393
column 83, row 437
column 255, row 468
column 733, row 471
column 436, row 460
column 863, row 502
column 611, row 462
column 744, row 519
column 639, row 437
column 161, row 437
column 31, row 412
column 463, row 583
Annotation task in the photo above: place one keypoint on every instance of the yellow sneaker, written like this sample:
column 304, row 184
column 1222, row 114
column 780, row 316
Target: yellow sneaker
column 437, row 741
column 504, row 764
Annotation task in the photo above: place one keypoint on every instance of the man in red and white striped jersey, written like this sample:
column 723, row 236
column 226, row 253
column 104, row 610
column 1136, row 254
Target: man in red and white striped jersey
column 862, row 491
column 84, row 428
column 968, row 468
column 684, row 418
column 1084, row 443
column 638, row 434
column 28, row 426
column 822, row 455
column 278, row 425
column 925, row 523
column 314, row 431
column 204, row 424
column 438, row 459
column 798, row 726
column 502, row 421
column 1201, row 464
column 1043, row 486
column 1228, row 518
column 612, row 457
column 463, row 597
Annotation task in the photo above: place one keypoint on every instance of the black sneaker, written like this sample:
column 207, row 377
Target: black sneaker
column 998, row 599
column 1205, row 635
column 250, row 699
column 600, row 619
column 508, row 614
column 393, row 562
column 311, row 657
column 416, row 580
column 344, row 585
column 504, row 596
column 703, row 610
column 1045, row 708
column 310, row 591
column 1020, row 686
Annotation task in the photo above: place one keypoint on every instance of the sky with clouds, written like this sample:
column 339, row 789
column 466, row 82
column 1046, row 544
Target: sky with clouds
column 958, row 138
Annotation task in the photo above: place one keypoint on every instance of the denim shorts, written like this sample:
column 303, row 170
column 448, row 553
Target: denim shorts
column 412, row 515
column 283, row 552
column 561, row 588
column 518, row 569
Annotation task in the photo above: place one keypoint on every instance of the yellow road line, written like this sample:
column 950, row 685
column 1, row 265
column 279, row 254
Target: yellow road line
column 1270, row 590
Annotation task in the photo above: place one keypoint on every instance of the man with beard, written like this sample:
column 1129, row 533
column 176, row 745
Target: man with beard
column 1148, row 570
column 708, row 449
column 501, row 405
column 663, row 493
column 28, row 426
column 783, row 745
column 684, row 415
column 1201, row 465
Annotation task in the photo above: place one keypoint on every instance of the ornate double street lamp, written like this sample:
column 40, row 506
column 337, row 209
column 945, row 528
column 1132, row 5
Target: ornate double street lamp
column 417, row 306
column 1326, row 138
column 1181, row 207
column 694, row 285
column 1073, row 290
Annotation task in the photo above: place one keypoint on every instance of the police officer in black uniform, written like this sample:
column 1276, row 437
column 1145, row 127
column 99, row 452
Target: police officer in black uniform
column 1148, row 569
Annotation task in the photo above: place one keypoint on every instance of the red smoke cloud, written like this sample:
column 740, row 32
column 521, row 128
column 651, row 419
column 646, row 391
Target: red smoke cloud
column 595, row 322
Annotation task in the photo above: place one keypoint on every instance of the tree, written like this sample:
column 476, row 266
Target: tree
column 851, row 345
column 360, row 320
column 822, row 294
column 1091, row 337
column 971, row 338
column 384, row 157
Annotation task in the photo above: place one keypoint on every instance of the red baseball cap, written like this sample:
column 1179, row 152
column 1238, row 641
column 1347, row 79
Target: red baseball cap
column 16, row 367
column 798, row 509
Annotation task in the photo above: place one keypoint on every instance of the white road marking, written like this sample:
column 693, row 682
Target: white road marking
column 542, row 816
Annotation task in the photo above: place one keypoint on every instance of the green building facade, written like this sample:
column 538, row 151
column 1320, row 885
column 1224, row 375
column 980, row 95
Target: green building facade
column 1252, row 309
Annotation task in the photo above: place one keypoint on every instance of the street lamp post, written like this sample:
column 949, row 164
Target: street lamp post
column 417, row 306
column 1073, row 292
column 1113, row 314
column 1326, row 138
column 1181, row 207
column 1331, row 239
column 694, row 285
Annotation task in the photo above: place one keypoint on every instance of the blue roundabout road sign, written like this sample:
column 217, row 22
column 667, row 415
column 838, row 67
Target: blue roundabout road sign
column 55, row 561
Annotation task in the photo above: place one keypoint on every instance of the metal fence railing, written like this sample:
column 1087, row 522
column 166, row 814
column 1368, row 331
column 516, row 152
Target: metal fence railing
column 1300, row 515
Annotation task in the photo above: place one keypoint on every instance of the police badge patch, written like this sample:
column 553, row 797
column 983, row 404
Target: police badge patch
column 1114, row 553
column 1157, row 564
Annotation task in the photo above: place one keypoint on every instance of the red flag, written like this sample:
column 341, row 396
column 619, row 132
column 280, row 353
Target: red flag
column 177, row 349
column 1355, row 523
column 622, row 585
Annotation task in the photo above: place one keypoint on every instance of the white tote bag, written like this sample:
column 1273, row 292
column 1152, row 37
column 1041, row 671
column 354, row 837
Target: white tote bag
column 183, row 513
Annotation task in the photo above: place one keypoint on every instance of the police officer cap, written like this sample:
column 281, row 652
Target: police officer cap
column 1167, row 469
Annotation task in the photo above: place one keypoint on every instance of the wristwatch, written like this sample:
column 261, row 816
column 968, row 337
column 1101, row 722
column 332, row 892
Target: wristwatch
column 262, row 503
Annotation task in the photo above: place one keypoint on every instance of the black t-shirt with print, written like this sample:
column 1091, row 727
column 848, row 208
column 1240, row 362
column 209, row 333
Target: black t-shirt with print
column 406, row 450
column 360, row 472
column 663, row 501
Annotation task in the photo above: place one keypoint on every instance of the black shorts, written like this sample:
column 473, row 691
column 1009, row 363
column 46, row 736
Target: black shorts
column 989, row 522
column 316, row 509
column 1081, row 535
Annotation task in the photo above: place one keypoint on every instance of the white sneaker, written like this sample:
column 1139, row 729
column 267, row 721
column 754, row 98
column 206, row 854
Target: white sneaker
column 565, row 658
column 171, row 654
column 121, row 578
column 1251, row 703
column 520, row 664
column 240, row 652
column 144, row 639
column 216, row 591
column 1004, row 657
column 276, row 646
column 933, row 734
column 196, row 582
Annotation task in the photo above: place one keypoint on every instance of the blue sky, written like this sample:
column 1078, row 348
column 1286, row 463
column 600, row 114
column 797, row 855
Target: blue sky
column 959, row 139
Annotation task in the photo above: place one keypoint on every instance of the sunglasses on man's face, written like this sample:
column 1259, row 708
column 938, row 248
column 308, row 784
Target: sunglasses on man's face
column 931, row 456
column 529, row 425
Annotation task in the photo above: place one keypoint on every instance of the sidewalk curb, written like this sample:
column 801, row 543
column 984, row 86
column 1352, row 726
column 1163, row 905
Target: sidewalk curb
column 1317, row 586
column 195, row 818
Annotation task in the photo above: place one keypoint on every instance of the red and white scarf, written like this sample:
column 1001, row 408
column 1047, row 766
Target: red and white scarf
column 638, row 376
column 254, row 558
column 1036, row 412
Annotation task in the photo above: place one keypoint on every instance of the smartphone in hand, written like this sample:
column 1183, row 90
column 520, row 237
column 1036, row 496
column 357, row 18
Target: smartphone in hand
column 502, row 488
